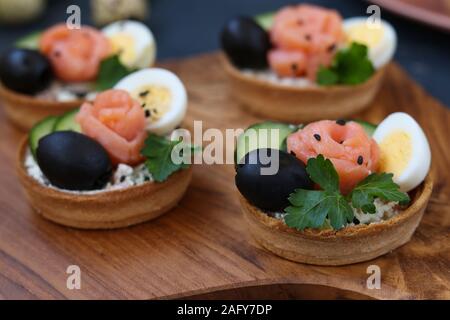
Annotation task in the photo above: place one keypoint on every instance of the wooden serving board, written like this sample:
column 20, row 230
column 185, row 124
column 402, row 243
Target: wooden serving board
column 202, row 248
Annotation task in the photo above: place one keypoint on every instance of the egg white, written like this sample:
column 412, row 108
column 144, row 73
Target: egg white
column 163, row 78
column 143, row 41
column 420, row 160
column 384, row 51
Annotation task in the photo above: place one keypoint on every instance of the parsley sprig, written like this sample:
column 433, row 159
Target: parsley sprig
column 158, row 151
column 312, row 208
column 111, row 70
column 350, row 66
column 376, row 186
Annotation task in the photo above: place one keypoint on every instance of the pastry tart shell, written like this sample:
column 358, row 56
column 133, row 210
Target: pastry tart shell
column 103, row 210
column 24, row 111
column 346, row 246
column 294, row 104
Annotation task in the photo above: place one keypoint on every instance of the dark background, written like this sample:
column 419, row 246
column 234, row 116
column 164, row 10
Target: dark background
column 187, row 27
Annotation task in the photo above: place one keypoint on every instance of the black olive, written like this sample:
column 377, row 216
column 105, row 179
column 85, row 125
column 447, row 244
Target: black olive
column 73, row 161
column 245, row 43
column 25, row 71
column 271, row 192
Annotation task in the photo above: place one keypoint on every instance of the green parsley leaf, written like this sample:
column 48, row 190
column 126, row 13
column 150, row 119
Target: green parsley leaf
column 320, row 208
column 322, row 172
column 158, row 151
column 350, row 66
column 341, row 212
column 110, row 72
column 313, row 208
column 327, row 76
column 307, row 210
column 310, row 208
column 376, row 185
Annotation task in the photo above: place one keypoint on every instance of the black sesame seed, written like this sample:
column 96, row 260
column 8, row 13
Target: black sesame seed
column 360, row 160
column 331, row 47
column 341, row 142
column 317, row 137
column 146, row 178
column 147, row 113
column 355, row 221
column 294, row 67
column 143, row 105
column 122, row 178
column 308, row 37
column 144, row 93
column 341, row 122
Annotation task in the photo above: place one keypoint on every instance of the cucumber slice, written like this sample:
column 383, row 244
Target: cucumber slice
column 265, row 20
column 368, row 127
column 30, row 41
column 262, row 137
column 67, row 122
column 40, row 130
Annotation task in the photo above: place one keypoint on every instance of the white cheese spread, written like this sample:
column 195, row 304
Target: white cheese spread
column 272, row 77
column 64, row 92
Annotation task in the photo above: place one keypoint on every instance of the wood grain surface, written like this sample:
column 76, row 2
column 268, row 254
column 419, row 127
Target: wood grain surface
column 202, row 248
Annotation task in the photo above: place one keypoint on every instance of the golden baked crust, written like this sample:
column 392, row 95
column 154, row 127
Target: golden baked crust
column 338, row 247
column 104, row 210
column 25, row 111
column 296, row 104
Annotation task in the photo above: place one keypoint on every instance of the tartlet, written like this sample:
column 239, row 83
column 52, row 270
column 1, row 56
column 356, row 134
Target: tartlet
column 338, row 247
column 306, row 62
column 343, row 191
column 296, row 104
column 103, row 210
column 25, row 111
column 103, row 166
column 40, row 73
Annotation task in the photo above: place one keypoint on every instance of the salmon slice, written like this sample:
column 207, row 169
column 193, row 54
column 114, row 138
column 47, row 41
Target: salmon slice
column 117, row 122
column 288, row 63
column 75, row 54
column 353, row 154
column 314, row 31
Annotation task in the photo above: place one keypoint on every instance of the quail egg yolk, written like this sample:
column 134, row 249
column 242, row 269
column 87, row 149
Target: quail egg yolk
column 362, row 33
column 396, row 152
column 155, row 100
column 123, row 44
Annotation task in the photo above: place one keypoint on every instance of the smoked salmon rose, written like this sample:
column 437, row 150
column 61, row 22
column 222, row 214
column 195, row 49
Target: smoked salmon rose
column 117, row 122
column 75, row 54
column 305, row 37
column 353, row 153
